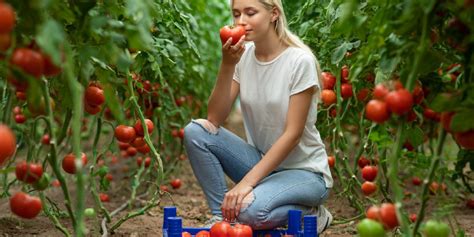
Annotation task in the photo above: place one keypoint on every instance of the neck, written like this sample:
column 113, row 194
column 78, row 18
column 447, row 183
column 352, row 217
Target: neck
column 269, row 48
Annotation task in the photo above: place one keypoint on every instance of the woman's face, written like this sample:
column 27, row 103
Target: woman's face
column 254, row 17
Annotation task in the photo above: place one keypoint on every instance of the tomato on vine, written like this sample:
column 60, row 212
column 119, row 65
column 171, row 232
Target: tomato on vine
column 7, row 18
column 28, row 172
column 25, row 206
column 8, row 144
column 69, row 164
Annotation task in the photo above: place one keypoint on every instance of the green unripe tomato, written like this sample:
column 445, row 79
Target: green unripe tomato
column 89, row 212
column 436, row 229
column 370, row 228
column 43, row 182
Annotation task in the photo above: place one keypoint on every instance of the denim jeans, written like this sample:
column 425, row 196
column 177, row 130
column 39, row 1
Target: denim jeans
column 214, row 155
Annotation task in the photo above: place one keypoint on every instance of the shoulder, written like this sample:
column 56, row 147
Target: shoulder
column 300, row 56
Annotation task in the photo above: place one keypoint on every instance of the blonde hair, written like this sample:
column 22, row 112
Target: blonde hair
column 286, row 36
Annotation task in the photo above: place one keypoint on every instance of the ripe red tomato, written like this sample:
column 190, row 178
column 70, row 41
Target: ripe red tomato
column 346, row 90
column 181, row 133
column 413, row 217
column 94, row 96
column 175, row 183
column 164, row 188
column 418, row 94
column 227, row 32
column 368, row 188
column 5, row 41
column 104, row 197
column 138, row 142
column 377, row 111
column 203, row 233
column 369, row 172
column 147, row 161
column 50, row 69
column 25, row 206
column 20, row 118
column 363, row 94
column 28, row 172
column 380, row 91
column 30, row 61
column 465, row 139
column 8, row 144
column 145, row 149
column 240, row 230
column 131, row 151
column 7, row 18
column 388, row 215
column 139, row 129
column 373, row 213
column 69, row 164
column 46, row 140
column 416, row 181
column 331, row 161
column 220, row 229
column 363, row 162
column 329, row 80
column 431, row 114
column 125, row 134
column 180, row 101
column 186, row 234
column 399, row 101
column 345, row 74
column 328, row 97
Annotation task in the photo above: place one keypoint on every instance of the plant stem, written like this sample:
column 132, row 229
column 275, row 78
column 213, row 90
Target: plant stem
column 426, row 184
column 53, row 159
column 52, row 217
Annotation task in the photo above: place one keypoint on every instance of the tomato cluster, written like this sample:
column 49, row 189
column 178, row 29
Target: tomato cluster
column 131, row 139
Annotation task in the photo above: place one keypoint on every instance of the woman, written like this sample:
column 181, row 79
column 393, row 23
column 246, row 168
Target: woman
column 284, row 164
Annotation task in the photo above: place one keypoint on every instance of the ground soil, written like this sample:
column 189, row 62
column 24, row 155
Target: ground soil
column 192, row 207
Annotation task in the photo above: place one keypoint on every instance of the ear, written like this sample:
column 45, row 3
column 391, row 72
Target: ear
column 275, row 14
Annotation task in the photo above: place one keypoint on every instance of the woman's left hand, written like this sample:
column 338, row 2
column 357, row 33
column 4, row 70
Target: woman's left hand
column 233, row 200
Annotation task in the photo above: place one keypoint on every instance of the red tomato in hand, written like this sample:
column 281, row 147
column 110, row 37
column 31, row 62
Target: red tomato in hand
column 8, row 144
column 240, row 230
column 227, row 32
column 377, row 111
column 175, row 183
column 25, row 206
column 125, row 134
column 69, row 164
column 399, row 101
column 28, row 172
column 30, row 61
column 221, row 229
column 369, row 173
column 94, row 96
column 7, row 18
column 139, row 128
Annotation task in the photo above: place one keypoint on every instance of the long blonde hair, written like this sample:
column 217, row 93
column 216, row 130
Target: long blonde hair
column 286, row 36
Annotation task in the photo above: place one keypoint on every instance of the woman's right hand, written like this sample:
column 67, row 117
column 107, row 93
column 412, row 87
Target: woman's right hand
column 231, row 53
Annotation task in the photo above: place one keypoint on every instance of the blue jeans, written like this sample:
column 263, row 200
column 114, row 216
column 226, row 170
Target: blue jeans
column 214, row 155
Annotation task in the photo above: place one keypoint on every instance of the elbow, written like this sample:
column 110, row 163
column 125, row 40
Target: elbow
column 294, row 138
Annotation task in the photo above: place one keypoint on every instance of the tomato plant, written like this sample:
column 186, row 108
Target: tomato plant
column 28, row 172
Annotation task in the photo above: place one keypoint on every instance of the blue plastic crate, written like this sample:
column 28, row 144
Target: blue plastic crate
column 173, row 225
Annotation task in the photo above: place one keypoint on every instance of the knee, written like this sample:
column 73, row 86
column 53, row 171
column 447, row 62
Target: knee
column 255, row 217
column 197, row 128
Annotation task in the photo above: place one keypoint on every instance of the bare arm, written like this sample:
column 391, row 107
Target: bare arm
column 226, row 89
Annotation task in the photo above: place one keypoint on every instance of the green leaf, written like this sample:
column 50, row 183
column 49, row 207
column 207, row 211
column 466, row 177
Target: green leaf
column 51, row 39
column 445, row 102
column 339, row 53
column 414, row 135
column 462, row 121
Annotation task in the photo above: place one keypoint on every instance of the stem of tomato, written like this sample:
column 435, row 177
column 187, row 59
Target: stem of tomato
column 426, row 184
column 53, row 155
column 76, row 91
column 52, row 217
column 156, row 155
column 92, row 180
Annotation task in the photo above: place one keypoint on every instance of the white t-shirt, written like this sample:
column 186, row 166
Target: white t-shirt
column 265, row 90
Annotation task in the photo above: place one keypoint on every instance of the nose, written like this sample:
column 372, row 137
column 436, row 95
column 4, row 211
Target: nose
column 241, row 20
